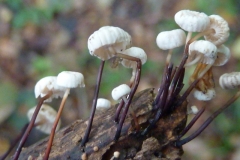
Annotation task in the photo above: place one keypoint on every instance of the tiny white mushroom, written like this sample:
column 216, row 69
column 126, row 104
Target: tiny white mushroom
column 194, row 110
column 204, row 52
column 210, row 94
column 46, row 88
column 107, row 41
column 171, row 39
column 103, row 103
column 48, row 85
column 220, row 30
column 67, row 79
column 45, row 118
column 168, row 40
column 116, row 155
column 192, row 21
column 120, row 92
column 134, row 52
column 230, row 80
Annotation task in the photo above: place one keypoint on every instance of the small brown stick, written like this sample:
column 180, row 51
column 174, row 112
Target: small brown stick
column 50, row 141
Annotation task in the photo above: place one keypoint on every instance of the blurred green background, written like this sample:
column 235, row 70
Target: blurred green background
column 43, row 37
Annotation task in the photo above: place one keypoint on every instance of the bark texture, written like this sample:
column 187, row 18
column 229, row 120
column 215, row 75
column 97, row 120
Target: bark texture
column 157, row 144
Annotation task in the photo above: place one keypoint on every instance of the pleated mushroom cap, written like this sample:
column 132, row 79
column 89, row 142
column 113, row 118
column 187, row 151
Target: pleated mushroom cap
column 230, row 80
column 171, row 39
column 134, row 52
column 46, row 85
column 45, row 118
column 221, row 30
column 70, row 79
column 107, row 41
column 192, row 21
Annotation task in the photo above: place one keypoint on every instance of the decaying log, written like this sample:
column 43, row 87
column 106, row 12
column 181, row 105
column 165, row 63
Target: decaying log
column 157, row 144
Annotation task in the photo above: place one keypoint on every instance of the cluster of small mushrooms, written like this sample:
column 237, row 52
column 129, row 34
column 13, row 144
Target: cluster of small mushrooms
column 205, row 50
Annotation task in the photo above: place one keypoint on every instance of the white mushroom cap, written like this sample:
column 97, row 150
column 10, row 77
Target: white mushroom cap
column 120, row 91
column 208, row 49
column 70, row 79
column 107, row 41
column 192, row 21
column 45, row 118
column 171, row 39
column 210, row 94
column 223, row 55
column 47, row 84
column 221, row 30
column 230, row 80
column 134, row 52
column 103, row 103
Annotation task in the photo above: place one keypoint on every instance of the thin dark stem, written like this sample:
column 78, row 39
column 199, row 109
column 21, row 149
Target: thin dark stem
column 30, row 126
column 90, row 121
column 162, row 101
column 192, row 122
column 14, row 143
column 172, row 92
column 180, row 84
column 161, row 88
column 208, row 121
column 178, row 72
column 173, row 72
column 127, row 104
column 119, row 108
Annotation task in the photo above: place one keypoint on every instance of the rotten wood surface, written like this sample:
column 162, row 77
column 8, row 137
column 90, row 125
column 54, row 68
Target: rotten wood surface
column 157, row 144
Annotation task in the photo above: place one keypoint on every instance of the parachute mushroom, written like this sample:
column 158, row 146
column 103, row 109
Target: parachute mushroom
column 134, row 52
column 205, row 54
column 168, row 40
column 120, row 92
column 67, row 80
column 46, row 88
column 105, row 43
column 43, row 123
